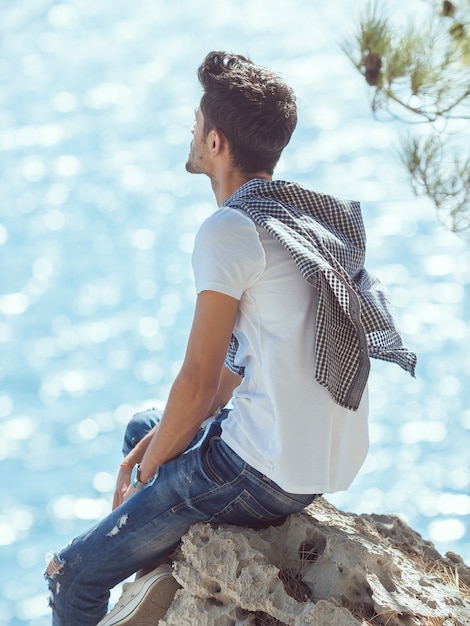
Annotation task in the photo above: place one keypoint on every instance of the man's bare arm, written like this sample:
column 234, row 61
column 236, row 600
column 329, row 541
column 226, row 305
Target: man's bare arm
column 212, row 327
column 201, row 383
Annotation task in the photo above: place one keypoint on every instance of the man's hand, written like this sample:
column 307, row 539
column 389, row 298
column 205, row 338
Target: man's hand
column 125, row 470
column 130, row 491
column 122, row 485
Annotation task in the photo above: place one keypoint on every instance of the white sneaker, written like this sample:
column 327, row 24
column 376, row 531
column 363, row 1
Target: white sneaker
column 145, row 601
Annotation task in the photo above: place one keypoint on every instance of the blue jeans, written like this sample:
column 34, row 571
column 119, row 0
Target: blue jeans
column 208, row 482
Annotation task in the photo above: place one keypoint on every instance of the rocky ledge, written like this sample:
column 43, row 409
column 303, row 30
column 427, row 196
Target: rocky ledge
column 321, row 567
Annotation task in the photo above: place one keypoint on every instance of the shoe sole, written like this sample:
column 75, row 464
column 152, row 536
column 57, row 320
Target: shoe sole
column 149, row 605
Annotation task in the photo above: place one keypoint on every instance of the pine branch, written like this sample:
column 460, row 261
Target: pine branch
column 422, row 75
column 441, row 175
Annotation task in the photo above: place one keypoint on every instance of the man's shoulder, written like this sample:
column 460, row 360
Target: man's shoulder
column 225, row 228
column 227, row 217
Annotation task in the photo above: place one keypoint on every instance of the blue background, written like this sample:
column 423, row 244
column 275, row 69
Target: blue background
column 97, row 220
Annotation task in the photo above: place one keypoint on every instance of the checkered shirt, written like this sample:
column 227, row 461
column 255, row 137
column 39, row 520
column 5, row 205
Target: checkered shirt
column 355, row 319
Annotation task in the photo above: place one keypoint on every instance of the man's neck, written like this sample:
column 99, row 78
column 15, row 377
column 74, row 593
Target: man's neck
column 228, row 183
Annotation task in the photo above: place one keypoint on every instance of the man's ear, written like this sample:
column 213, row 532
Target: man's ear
column 217, row 142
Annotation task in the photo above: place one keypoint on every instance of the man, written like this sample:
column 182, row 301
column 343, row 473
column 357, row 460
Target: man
column 285, row 320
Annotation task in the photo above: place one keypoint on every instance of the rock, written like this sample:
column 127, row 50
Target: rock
column 322, row 567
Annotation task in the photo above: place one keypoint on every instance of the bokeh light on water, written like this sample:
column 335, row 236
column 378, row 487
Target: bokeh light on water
column 97, row 219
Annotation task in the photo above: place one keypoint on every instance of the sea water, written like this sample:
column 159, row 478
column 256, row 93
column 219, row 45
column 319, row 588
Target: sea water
column 97, row 220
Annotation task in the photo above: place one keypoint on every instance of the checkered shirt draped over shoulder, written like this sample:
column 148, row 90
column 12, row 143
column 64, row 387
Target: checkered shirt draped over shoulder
column 355, row 319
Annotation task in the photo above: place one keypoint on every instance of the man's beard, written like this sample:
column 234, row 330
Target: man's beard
column 191, row 168
column 194, row 164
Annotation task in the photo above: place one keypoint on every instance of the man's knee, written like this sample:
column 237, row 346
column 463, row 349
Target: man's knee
column 138, row 426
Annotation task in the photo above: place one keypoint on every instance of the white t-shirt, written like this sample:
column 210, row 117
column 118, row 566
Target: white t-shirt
column 284, row 423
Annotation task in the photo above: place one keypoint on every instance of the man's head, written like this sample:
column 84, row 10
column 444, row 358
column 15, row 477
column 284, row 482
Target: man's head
column 251, row 106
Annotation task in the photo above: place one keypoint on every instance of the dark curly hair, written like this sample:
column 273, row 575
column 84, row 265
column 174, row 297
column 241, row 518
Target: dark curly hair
column 251, row 105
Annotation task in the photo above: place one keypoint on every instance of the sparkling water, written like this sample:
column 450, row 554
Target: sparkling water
column 97, row 220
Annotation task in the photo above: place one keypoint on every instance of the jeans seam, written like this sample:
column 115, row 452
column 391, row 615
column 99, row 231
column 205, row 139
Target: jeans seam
column 210, row 492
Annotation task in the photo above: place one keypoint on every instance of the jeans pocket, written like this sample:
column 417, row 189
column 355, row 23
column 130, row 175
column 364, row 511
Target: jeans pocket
column 270, row 495
column 220, row 464
column 246, row 510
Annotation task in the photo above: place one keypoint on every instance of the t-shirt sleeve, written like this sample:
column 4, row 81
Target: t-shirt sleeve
column 228, row 255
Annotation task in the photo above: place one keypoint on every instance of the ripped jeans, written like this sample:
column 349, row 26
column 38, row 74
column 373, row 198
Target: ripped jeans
column 208, row 482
